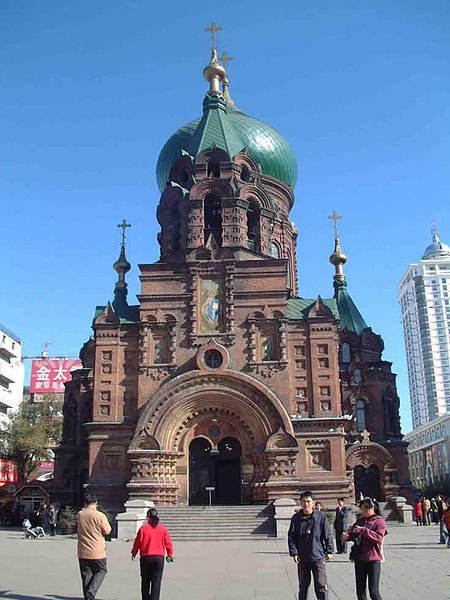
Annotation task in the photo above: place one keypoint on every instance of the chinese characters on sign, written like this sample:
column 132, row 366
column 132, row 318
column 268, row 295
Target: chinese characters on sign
column 48, row 376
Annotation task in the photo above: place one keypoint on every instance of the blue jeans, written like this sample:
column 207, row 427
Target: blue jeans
column 442, row 532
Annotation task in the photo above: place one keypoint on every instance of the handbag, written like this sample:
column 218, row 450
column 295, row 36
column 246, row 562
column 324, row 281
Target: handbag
column 354, row 550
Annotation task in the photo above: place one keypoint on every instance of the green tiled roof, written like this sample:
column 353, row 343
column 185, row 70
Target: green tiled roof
column 298, row 308
column 350, row 317
column 232, row 131
column 342, row 307
column 126, row 314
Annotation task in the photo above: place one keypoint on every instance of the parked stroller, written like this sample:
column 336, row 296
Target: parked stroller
column 32, row 533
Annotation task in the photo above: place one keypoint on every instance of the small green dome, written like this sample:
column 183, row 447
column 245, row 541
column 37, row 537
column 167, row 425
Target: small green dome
column 231, row 131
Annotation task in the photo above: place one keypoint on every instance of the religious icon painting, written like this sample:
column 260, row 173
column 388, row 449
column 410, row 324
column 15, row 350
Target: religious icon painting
column 211, row 306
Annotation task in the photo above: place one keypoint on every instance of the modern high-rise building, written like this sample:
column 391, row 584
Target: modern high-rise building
column 11, row 372
column 425, row 306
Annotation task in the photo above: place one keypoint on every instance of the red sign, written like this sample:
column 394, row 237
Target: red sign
column 49, row 375
column 8, row 471
column 46, row 466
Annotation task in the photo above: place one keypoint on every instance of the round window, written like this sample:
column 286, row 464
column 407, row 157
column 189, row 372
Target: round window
column 213, row 359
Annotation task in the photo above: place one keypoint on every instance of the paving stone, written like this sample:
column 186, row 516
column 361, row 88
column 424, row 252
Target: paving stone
column 416, row 568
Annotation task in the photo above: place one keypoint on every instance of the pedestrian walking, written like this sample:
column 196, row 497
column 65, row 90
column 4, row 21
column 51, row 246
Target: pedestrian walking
column 426, row 506
column 434, row 511
column 318, row 506
column 368, row 534
column 340, row 525
column 153, row 544
column 441, row 506
column 51, row 515
column 418, row 511
column 93, row 526
column 310, row 543
column 447, row 524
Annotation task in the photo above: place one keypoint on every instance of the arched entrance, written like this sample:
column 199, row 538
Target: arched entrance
column 367, row 481
column 215, row 467
column 215, row 406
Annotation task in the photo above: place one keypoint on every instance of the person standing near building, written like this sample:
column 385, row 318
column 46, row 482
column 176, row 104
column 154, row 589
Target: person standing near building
column 418, row 511
column 310, row 543
column 153, row 544
column 50, row 517
column 93, row 526
column 441, row 506
column 340, row 525
column 447, row 524
column 368, row 534
column 426, row 506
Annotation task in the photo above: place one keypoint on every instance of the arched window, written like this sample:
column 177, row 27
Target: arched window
column 213, row 218
column 360, row 416
column 213, row 169
column 253, row 226
column 290, row 279
column 245, row 173
column 274, row 250
column 346, row 356
column 357, row 377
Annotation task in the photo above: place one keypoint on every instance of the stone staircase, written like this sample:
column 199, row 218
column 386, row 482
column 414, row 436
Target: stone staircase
column 221, row 523
column 388, row 511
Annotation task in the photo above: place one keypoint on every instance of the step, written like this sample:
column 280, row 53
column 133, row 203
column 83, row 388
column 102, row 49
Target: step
column 197, row 523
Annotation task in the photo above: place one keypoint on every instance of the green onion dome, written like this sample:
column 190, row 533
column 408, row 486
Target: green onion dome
column 233, row 131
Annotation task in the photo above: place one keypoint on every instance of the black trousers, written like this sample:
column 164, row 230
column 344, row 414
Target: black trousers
column 371, row 571
column 93, row 573
column 320, row 579
column 341, row 545
column 151, row 575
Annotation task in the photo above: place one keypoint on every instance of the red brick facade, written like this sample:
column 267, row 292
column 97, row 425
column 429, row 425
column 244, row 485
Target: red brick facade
column 221, row 348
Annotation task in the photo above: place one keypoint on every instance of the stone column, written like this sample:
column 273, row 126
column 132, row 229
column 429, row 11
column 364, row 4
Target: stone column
column 134, row 516
column 284, row 509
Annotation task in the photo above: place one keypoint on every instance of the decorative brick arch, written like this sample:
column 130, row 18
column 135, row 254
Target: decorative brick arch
column 237, row 397
column 367, row 454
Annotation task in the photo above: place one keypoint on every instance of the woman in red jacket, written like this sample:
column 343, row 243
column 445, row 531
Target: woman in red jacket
column 153, row 543
column 368, row 534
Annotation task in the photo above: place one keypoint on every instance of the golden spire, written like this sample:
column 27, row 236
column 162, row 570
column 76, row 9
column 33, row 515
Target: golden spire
column 225, row 59
column 214, row 72
column 338, row 258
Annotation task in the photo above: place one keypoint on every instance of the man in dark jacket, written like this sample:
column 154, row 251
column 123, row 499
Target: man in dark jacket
column 340, row 525
column 310, row 544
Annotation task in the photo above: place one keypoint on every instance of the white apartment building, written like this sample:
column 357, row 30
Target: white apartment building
column 429, row 452
column 11, row 372
column 425, row 307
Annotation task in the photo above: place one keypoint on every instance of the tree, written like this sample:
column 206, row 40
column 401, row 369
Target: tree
column 31, row 431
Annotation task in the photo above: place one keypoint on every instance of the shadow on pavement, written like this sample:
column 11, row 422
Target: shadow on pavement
column 13, row 596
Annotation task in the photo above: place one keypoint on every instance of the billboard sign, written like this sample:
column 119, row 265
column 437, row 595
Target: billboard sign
column 8, row 471
column 49, row 375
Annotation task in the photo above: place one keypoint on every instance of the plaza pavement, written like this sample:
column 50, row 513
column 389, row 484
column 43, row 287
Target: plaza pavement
column 416, row 568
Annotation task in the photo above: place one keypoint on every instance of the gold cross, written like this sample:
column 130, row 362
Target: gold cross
column 225, row 59
column 214, row 28
column 335, row 217
column 123, row 226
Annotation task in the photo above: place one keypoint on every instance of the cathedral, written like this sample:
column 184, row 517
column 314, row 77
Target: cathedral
column 223, row 379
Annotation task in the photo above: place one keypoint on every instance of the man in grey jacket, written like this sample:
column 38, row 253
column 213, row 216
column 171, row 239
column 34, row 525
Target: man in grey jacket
column 310, row 544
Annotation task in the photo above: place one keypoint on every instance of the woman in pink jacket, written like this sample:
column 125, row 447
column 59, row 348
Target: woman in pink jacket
column 153, row 544
column 368, row 536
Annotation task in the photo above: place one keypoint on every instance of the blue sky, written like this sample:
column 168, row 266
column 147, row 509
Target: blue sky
column 92, row 90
